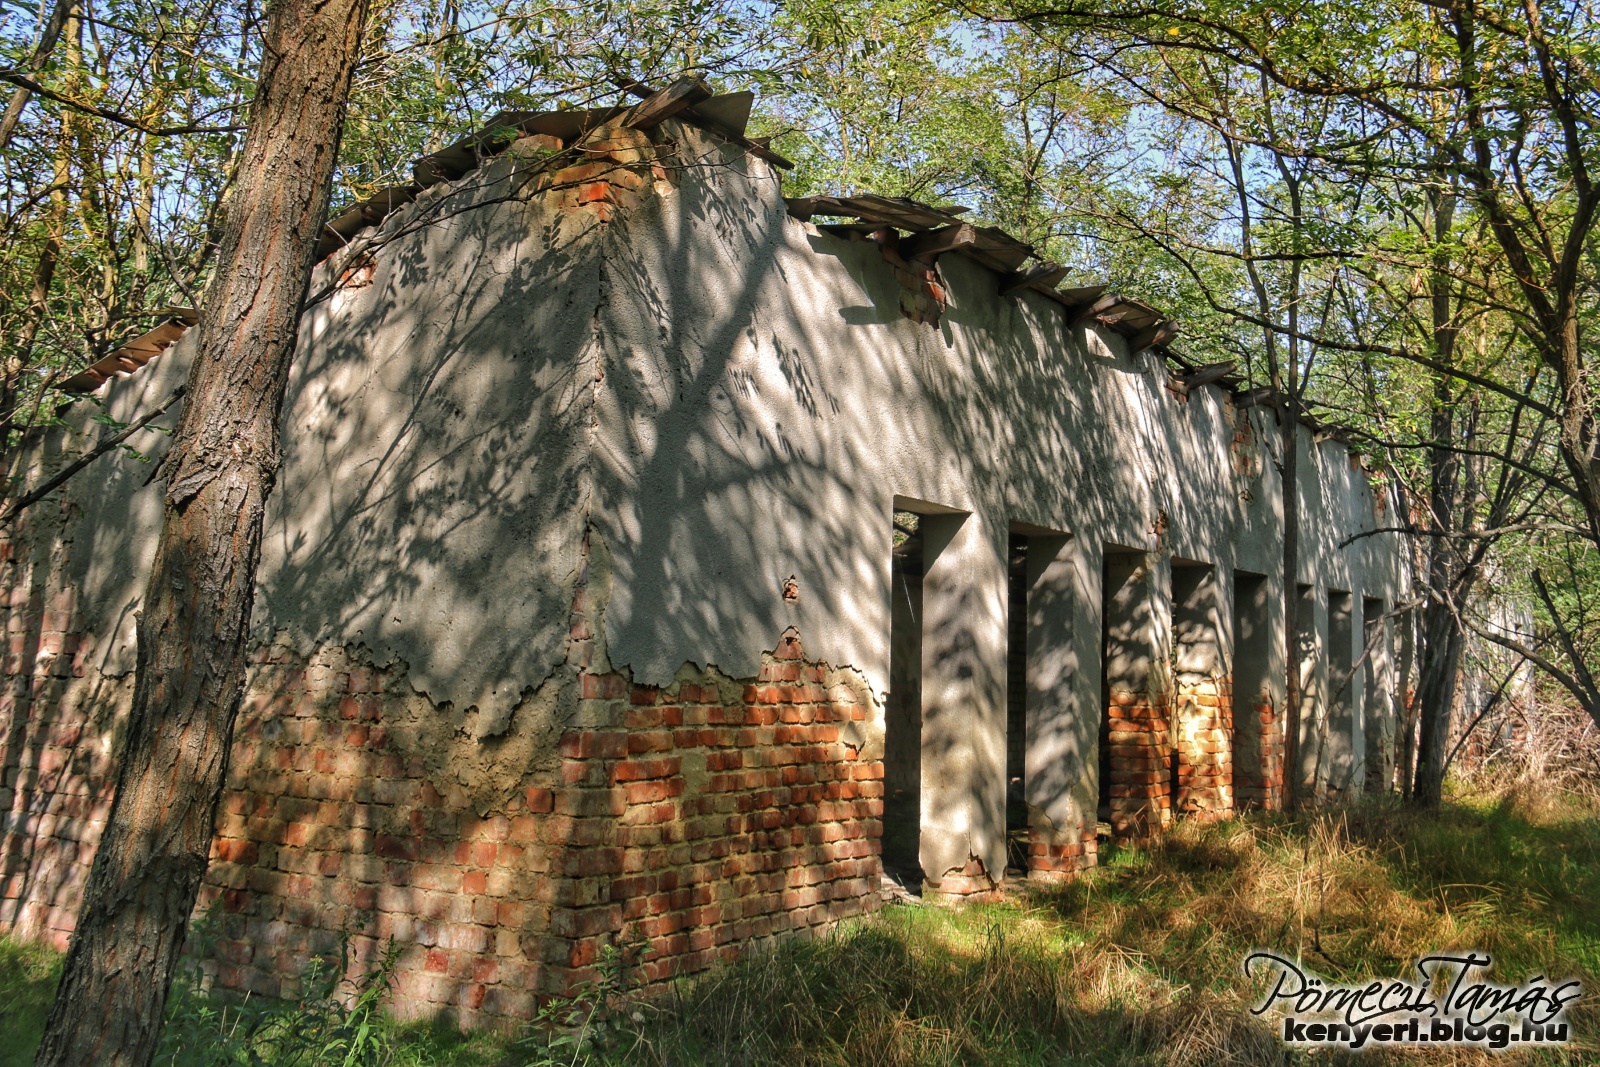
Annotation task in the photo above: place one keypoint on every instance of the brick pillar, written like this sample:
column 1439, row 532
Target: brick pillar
column 1139, row 733
column 1204, row 748
column 1136, row 730
column 1055, row 856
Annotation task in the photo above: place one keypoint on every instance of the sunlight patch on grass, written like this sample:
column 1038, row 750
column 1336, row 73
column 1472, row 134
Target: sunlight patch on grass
column 1134, row 964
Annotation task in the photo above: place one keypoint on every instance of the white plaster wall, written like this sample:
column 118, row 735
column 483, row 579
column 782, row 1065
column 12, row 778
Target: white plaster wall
column 729, row 397
column 766, row 403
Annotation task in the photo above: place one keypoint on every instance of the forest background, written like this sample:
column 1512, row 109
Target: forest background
column 1381, row 211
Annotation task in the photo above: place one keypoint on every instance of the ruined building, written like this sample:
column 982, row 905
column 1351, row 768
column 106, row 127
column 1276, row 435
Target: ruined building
column 656, row 559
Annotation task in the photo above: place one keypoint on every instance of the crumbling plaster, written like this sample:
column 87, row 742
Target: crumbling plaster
column 725, row 398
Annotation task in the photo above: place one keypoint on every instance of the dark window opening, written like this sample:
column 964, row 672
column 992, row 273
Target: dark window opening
column 902, row 742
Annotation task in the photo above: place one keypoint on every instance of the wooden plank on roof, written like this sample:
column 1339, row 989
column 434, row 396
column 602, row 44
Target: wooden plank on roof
column 1000, row 247
column 665, row 103
column 338, row 231
column 1262, row 396
column 710, row 116
column 1095, row 307
column 467, row 154
column 1211, row 372
column 936, row 243
column 1153, row 336
column 884, row 211
column 730, row 111
column 566, row 125
column 1128, row 317
column 845, row 229
column 1042, row 276
column 127, row 359
column 918, row 215
column 1082, row 294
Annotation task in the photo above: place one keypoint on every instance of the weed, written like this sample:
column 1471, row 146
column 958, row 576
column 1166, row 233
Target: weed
column 578, row 1030
column 1134, row 964
column 335, row 1020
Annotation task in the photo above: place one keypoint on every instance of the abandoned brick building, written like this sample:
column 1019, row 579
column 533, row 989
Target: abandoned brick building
column 655, row 558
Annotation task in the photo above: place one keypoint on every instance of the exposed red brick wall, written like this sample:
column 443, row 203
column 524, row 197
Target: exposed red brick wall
column 1260, row 782
column 971, row 882
column 780, row 831
column 1139, row 733
column 1057, row 857
column 55, row 751
column 1204, row 749
column 679, row 820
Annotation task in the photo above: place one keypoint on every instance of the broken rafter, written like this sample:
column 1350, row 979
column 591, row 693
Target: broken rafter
column 897, row 211
column 935, row 243
column 1132, row 316
column 1263, row 396
column 665, row 103
column 1155, row 337
column 1040, row 277
column 710, row 122
column 1094, row 309
column 1211, row 372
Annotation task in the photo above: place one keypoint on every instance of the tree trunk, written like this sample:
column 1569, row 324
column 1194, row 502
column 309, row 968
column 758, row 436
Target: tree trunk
column 20, row 359
column 1291, row 606
column 1436, row 696
column 1439, row 653
column 196, row 611
column 49, row 34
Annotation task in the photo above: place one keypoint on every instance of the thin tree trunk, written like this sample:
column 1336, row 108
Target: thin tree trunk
column 196, row 611
column 1436, row 695
column 1439, row 654
column 1289, row 425
column 21, row 358
column 59, row 14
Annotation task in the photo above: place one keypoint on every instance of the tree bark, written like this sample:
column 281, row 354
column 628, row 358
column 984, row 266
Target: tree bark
column 1439, row 652
column 1289, row 426
column 49, row 34
column 196, row 612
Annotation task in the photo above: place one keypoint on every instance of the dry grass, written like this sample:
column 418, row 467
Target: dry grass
column 1137, row 963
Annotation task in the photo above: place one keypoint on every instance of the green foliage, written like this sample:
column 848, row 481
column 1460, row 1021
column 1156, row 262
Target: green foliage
column 581, row 1029
column 336, row 1019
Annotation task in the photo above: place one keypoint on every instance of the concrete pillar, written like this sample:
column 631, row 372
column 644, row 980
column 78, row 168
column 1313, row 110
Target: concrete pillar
column 1136, row 733
column 1406, row 702
column 1061, row 823
column 1342, row 738
column 1203, row 699
column 963, row 846
column 1258, row 725
column 1311, row 661
column 1378, row 709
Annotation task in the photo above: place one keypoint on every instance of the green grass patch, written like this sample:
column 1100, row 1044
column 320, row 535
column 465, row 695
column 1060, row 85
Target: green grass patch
column 28, row 975
column 1136, row 963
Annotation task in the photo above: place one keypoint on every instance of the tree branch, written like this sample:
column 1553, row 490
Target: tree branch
column 15, row 508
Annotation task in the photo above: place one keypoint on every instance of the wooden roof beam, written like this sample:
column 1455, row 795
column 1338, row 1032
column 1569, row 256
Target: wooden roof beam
column 688, row 112
column 1157, row 335
column 1093, row 310
column 1040, row 276
column 1211, row 372
column 935, row 243
column 662, row 104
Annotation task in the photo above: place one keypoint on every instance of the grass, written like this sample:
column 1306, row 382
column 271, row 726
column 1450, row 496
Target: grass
column 1136, row 963
column 28, row 975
